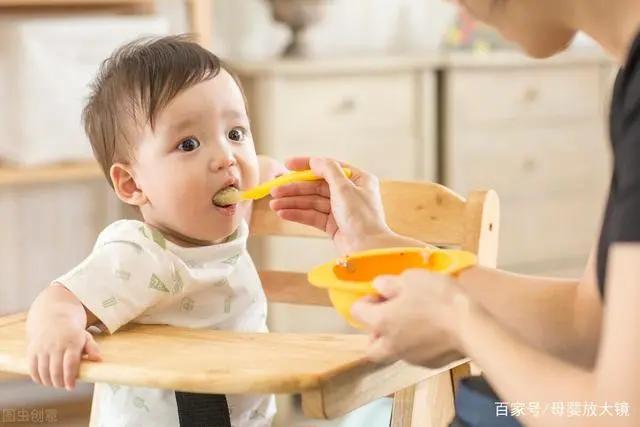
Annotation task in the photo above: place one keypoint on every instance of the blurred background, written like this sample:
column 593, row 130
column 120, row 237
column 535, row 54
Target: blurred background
column 409, row 89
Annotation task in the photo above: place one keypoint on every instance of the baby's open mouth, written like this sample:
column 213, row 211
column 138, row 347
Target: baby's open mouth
column 227, row 196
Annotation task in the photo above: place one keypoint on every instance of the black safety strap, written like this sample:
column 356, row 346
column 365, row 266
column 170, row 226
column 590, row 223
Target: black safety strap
column 202, row 410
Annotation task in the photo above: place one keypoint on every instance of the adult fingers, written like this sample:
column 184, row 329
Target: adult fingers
column 316, row 203
column 380, row 350
column 304, row 163
column 331, row 172
column 370, row 313
column 372, row 298
column 358, row 177
column 306, row 217
column 387, row 286
column 303, row 188
column 297, row 163
column 419, row 277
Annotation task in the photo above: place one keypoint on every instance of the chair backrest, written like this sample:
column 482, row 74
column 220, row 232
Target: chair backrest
column 426, row 211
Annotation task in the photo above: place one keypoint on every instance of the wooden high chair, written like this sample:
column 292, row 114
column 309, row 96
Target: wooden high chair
column 329, row 371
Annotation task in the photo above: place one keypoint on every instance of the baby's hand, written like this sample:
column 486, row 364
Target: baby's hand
column 54, row 354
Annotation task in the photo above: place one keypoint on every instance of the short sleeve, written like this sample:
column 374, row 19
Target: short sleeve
column 128, row 272
column 626, row 209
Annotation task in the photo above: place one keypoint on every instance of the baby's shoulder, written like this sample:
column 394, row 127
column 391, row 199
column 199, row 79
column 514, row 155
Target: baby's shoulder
column 133, row 232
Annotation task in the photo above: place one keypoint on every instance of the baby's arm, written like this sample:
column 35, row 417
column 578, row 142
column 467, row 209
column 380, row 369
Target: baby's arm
column 57, row 335
column 118, row 282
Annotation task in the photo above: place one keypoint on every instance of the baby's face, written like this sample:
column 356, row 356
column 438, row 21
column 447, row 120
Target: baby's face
column 201, row 143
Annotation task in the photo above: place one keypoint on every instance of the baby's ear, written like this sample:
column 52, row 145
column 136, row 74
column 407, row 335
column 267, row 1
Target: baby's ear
column 125, row 185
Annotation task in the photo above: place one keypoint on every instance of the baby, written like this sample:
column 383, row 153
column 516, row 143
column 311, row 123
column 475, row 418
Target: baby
column 168, row 123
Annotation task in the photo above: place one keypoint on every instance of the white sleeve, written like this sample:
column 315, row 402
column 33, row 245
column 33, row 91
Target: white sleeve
column 121, row 279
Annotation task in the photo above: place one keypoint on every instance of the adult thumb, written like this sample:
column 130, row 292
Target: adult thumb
column 330, row 171
column 388, row 286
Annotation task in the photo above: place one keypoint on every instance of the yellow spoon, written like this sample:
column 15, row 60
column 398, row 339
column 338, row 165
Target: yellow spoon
column 231, row 195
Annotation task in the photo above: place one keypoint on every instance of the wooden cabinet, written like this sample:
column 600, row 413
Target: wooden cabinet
column 536, row 132
column 378, row 114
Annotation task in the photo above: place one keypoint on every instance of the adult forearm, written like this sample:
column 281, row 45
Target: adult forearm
column 534, row 387
column 545, row 312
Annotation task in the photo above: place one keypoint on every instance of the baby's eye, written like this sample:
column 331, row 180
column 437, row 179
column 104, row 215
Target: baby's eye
column 189, row 144
column 236, row 134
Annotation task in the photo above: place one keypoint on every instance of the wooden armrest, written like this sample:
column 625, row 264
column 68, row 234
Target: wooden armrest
column 5, row 377
column 330, row 371
column 292, row 288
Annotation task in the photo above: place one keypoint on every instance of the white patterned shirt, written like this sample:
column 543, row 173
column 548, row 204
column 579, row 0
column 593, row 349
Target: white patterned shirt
column 135, row 275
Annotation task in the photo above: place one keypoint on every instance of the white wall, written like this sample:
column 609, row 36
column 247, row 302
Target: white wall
column 245, row 29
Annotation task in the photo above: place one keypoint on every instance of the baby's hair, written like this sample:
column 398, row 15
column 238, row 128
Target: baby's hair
column 134, row 84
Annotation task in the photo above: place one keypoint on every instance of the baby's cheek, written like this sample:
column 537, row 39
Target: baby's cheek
column 270, row 169
column 250, row 175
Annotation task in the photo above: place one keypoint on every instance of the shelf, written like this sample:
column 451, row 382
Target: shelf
column 23, row 175
column 199, row 13
column 63, row 6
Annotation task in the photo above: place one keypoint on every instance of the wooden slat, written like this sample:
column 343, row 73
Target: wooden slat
column 199, row 16
column 425, row 211
column 53, row 173
column 402, row 410
column 292, row 288
column 363, row 384
column 429, row 404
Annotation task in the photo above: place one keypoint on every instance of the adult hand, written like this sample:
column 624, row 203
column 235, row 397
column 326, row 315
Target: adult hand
column 350, row 211
column 416, row 319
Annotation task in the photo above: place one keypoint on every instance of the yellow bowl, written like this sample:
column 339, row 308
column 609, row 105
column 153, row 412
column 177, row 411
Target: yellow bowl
column 350, row 278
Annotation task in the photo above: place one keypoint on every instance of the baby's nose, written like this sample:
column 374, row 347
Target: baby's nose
column 223, row 162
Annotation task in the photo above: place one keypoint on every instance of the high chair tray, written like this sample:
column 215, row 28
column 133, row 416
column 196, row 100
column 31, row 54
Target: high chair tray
column 327, row 367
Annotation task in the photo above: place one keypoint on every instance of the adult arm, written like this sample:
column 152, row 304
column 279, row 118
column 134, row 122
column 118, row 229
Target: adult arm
column 559, row 316
column 608, row 395
column 521, row 373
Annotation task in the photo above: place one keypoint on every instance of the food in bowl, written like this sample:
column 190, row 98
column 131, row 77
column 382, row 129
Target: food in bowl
column 350, row 278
